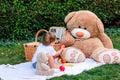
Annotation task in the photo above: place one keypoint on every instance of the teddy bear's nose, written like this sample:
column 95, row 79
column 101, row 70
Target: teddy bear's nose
column 79, row 34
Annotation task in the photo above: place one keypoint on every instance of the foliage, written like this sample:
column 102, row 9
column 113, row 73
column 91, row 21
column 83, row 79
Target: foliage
column 113, row 31
column 21, row 19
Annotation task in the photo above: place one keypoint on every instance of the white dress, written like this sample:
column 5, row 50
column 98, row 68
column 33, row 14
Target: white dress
column 45, row 49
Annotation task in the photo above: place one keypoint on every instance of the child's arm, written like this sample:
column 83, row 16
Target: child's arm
column 59, row 51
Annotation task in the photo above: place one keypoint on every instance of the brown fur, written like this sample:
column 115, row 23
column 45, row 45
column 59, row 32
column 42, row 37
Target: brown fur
column 86, row 19
column 89, row 20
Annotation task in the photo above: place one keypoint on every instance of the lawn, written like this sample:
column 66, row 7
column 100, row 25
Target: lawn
column 14, row 54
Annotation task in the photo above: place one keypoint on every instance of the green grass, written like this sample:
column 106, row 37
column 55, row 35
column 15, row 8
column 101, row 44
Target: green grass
column 14, row 54
column 116, row 41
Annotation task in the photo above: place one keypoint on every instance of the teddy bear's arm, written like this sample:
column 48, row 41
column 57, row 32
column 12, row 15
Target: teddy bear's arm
column 103, row 36
column 45, row 66
column 67, row 39
column 106, row 41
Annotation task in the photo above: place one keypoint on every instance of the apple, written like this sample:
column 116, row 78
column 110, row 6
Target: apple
column 62, row 68
column 63, row 61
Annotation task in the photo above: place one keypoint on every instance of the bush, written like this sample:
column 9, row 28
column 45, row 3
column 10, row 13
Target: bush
column 21, row 19
column 113, row 31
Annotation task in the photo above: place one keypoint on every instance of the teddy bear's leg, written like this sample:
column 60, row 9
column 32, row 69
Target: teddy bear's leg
column 46, row 73
column 72, row 54
column 108, row 56
column 50, row 72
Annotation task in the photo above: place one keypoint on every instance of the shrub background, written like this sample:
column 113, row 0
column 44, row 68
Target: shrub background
column 21, row 19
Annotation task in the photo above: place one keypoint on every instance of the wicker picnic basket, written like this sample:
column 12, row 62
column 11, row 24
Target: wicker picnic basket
column 30, row 48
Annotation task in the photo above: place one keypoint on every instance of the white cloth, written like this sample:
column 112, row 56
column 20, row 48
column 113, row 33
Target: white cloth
column 25, row 71
column 45, row 49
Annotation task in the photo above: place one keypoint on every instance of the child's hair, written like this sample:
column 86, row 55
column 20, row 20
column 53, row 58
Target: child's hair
column 48, row 38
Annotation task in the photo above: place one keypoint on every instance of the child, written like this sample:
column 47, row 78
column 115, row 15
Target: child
column 47, row 47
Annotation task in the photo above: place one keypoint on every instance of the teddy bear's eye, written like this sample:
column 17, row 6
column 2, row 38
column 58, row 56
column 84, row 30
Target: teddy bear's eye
column 85, row 28
column 79, row 26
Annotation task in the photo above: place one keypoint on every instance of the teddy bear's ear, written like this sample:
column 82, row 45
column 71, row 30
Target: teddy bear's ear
column 100, row 26
column 69, row 16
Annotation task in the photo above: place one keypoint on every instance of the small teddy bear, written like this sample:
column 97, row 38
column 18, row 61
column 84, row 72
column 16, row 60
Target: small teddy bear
column 42, row 68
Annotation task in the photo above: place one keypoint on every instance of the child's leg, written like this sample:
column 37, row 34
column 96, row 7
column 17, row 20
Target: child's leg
column 34, row 64
column 51, row 62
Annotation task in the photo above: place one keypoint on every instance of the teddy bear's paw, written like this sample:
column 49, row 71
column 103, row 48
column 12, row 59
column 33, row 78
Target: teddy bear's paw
column 81, row 58
column 110, row 57
column 74, row 55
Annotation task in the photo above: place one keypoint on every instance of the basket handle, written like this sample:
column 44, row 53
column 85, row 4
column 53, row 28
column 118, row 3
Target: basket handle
column 41, row 30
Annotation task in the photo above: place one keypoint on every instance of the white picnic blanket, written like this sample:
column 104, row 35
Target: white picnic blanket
column 25, row 71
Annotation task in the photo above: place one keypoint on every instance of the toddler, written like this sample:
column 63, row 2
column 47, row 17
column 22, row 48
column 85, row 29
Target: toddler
column 47, row 47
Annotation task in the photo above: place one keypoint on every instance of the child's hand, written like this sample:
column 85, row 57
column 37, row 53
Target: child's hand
column 62, row 46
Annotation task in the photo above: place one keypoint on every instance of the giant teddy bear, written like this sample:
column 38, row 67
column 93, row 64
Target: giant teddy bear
column 85, row 31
